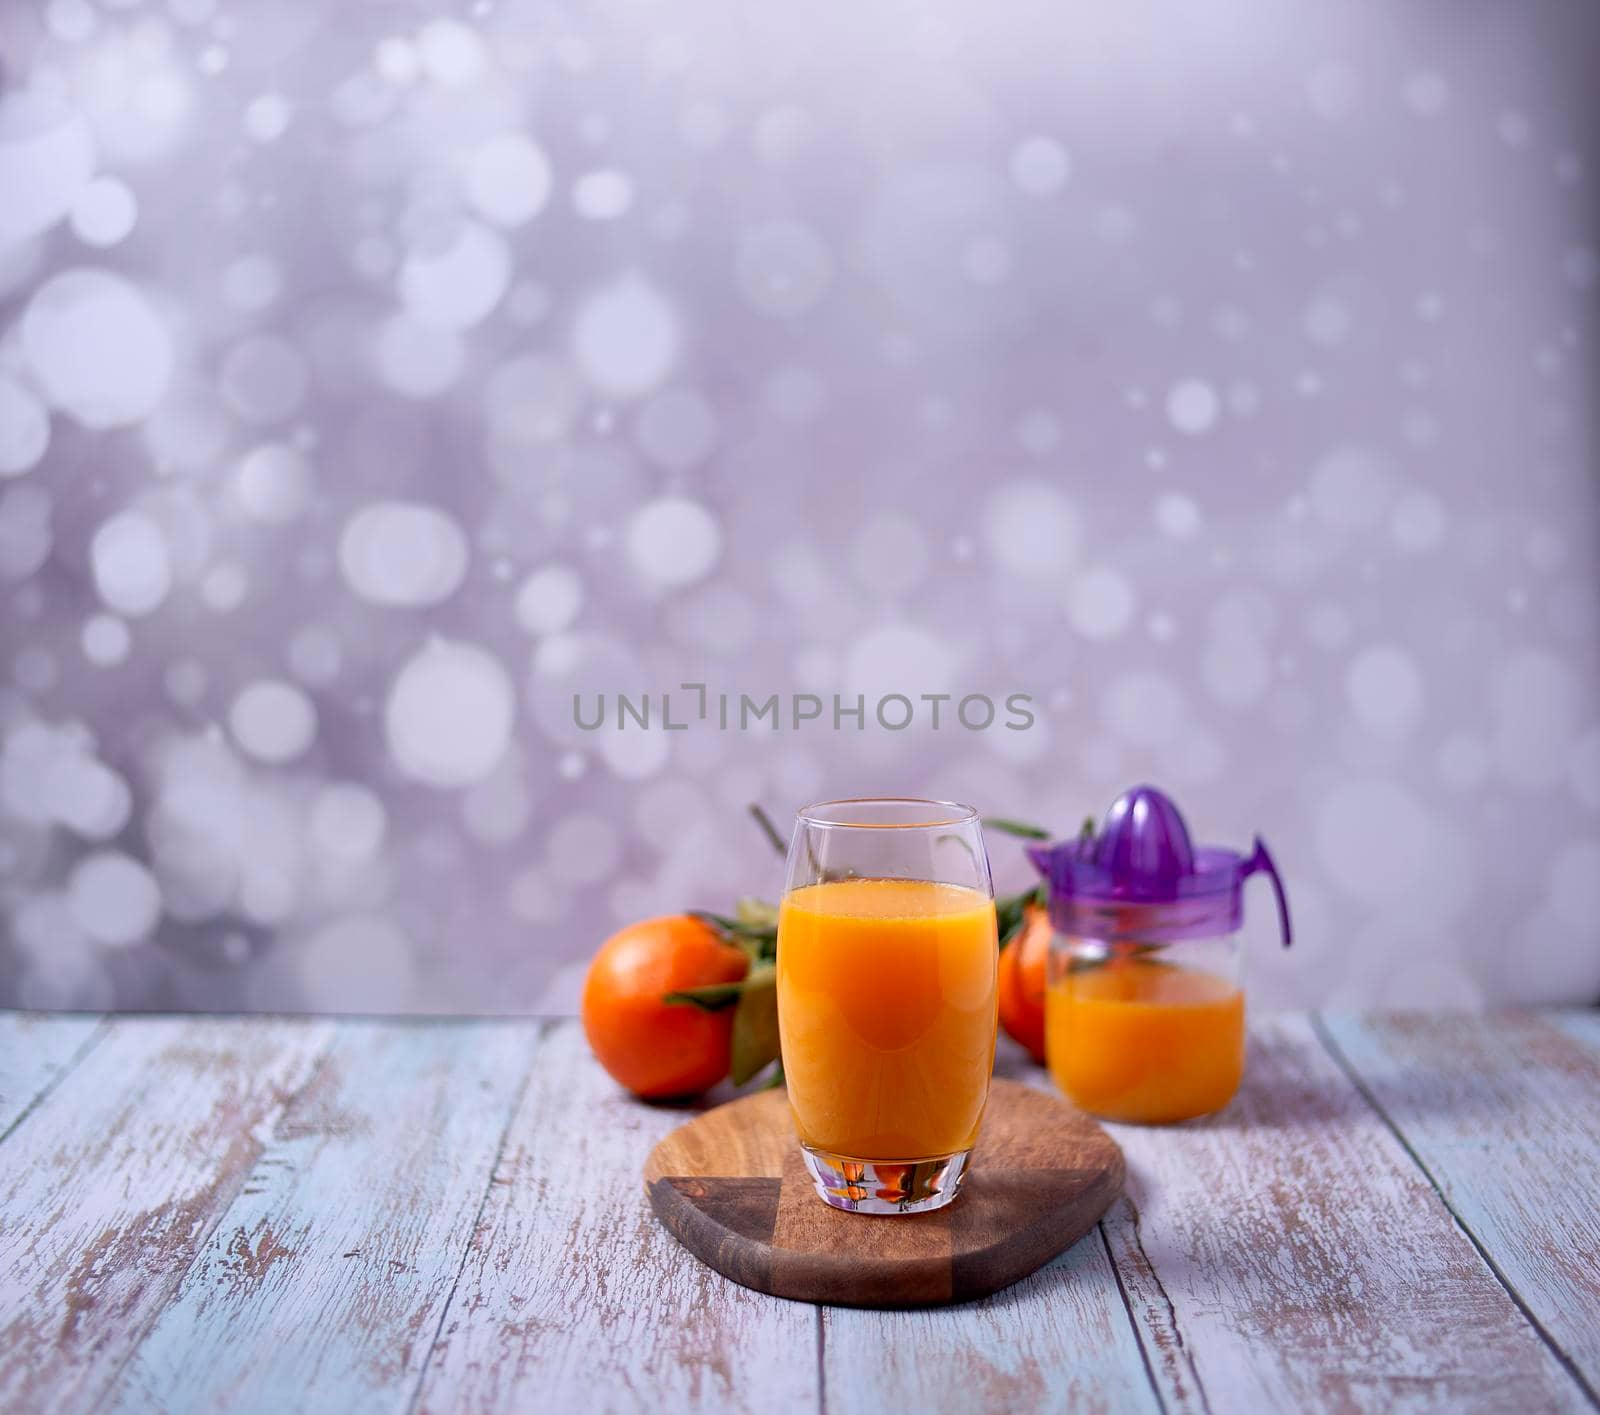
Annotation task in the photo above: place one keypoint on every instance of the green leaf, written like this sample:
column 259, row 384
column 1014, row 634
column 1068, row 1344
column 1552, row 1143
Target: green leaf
column 1007, row 915
column 731, row 926
column 756, row 913
column 758, row 941
column 713, row 997
column 1020, row 829
column 722, row 923
column 1011, row 911
column 755, row 1024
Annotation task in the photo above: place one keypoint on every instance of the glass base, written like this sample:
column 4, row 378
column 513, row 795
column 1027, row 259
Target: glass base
column 882, row 1187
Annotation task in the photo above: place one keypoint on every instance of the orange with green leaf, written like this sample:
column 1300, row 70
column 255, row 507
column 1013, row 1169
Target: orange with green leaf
column 656, row 1049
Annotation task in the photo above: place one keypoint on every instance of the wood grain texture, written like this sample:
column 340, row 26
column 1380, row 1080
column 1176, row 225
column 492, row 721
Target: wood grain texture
column 117, row 1180
column 1504, row 1114
column 170, row 1204
column 323, row 1285
column 733, row 1187
column 1058, row 1340
column 574, row 1298
column 1288, row 1254
column 36, row 1049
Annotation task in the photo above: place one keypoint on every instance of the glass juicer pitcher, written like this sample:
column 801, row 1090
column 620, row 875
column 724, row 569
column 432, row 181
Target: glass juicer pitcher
column 1144, row 1004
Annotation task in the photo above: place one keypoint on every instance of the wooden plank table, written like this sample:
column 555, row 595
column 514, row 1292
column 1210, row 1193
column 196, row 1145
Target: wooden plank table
column 1399, row 1212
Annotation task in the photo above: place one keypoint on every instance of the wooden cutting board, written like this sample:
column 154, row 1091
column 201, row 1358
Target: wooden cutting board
column 731, row 1186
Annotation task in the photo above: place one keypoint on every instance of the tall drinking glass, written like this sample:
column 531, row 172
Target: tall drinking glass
column 886, row 998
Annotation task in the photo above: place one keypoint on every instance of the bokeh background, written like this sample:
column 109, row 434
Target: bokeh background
column 374, row 376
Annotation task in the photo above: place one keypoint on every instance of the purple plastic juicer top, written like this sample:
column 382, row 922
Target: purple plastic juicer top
column 1139, row 877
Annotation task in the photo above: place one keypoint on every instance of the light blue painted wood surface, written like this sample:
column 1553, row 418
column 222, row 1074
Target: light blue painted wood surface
column 1506, row 1121
column 259, row 1214
column 325, row 1279
column 34, row 1052
column 1058, row 1340
column 115, row 1182
column 574, row 1298
column 1286, row 1254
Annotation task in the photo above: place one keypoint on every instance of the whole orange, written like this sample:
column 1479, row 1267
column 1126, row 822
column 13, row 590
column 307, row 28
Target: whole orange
column 1022, row 980
column 654, row 1048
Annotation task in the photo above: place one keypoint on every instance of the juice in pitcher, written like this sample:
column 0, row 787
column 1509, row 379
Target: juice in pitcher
column 1144, row 1007
column 886, row 981
column 1128, row 1038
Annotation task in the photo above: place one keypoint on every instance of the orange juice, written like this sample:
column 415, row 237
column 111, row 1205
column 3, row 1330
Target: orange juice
column 886, row 1007
column 1133, row 1039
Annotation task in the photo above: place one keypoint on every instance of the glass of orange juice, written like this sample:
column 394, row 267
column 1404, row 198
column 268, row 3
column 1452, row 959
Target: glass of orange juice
column 886, row 998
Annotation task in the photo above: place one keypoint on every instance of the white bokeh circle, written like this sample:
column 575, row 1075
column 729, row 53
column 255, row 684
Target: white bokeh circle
column 274, row 483
column 1193, row 406
column 898, row 658
column 47, row 157
column 1178, row 515
column 1033, row 531
column 627, row 338
column 457, row 284
column 106, row 640
column 24, row 428
column 673, row 541
column 403, row 554
column 508, row 179
column 273, row 720
column 603, row 194
column 1101, row 603
column 449, row 52
column 97, row 348
column 114, row 899
column 131, row 563
column 104, row 212
column 1040, row 166
column 348, row 822
column 634, row 755
column 549, row 599
column 449, row 714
